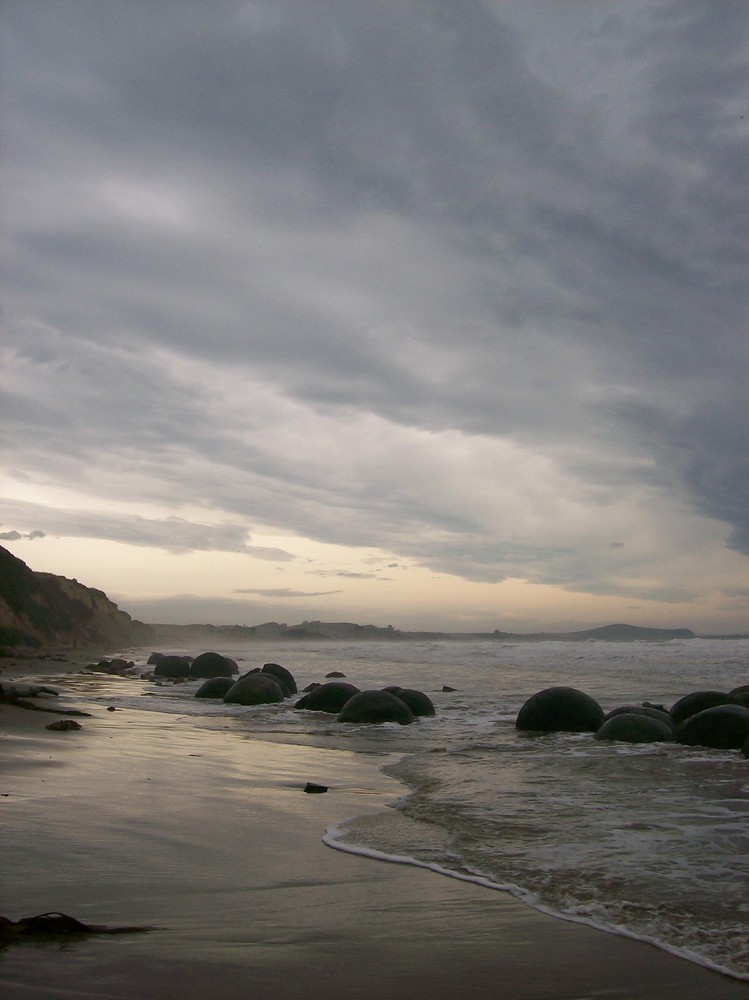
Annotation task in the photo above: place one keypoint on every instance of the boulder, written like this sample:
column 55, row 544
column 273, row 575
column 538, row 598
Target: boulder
column 560, row 709
column 375, row 706
column 330, row 697
column 254, row 689
column 210, row 665
column 335, row 673
column 417, row 701
column 281, row 681
column 277, row 671
column 636, row 728
column 172, row 666
column 215, row 687
column 154, row 658
column 654, row 713
column 722, row 727
column 698, row 701
column 117, row 667
column 745, row 747
column 740, row 695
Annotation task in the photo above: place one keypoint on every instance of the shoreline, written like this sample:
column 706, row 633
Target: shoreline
column 142, row 819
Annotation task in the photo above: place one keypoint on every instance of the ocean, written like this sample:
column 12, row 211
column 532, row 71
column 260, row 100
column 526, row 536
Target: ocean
column 650, row 841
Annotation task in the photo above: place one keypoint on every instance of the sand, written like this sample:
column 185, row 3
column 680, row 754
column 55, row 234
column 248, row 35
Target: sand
column 209, row 838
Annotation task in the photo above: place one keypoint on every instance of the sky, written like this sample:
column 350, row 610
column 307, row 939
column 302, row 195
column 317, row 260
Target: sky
column 430, row 313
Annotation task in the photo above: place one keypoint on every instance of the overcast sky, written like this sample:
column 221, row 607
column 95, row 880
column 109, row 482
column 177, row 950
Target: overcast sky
column 418, row 312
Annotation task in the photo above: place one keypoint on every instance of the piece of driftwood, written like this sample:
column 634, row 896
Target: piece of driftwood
column 55, row 925
column 9, row 697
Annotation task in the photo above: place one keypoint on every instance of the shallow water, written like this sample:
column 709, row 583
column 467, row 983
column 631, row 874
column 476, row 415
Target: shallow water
column 649, row 841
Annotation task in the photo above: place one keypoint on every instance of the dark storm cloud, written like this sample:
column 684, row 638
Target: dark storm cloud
column 235, row 229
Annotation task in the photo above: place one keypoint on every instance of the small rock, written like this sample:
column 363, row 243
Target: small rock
column 64, row 724
column 312, row 789
column 335, row 673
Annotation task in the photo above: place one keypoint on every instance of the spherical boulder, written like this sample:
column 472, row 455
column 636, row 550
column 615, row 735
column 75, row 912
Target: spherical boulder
column 635, row 728
column 215, row 687
column 277, row 671
column 330, row 697
column 172, row 666
column 154, row 658
column 210, row 665
column 740, row 695
column 698, row 701
column 254, row 689
column 375, row 706
column 560, row 709
column 281, row 681
column 419, row 703
column 745, row 747
column 648, row 710
column 723, row 727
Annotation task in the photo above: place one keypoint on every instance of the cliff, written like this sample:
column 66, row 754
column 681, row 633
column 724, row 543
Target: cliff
column 41, row 609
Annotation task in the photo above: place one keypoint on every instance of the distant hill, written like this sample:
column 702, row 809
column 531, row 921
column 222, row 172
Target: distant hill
column 611, row 633
column 41, row 609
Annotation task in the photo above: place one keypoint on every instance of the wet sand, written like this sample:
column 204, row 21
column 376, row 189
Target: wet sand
column 208, row 836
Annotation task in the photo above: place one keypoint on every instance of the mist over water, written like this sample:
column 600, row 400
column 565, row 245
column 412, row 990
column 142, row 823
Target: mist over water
column 648, row 840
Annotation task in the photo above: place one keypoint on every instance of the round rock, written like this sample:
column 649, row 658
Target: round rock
column 419, row 703
column 375, row 706
column 652, row 713
column 330, row 697
column 172, row 666
column 723, row 727
column 279, row 672
column 698, row 701
column 254, row 689
column 560, row 709
column 211, row 665
column 215, row 687
column 636, row 728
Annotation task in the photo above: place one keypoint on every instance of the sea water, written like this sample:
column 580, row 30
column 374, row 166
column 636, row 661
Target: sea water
column 646, row 840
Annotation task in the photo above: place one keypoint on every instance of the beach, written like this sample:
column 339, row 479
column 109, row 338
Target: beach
column 209, row 839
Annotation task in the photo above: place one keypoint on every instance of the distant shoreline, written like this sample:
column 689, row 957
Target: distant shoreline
column 318, row 631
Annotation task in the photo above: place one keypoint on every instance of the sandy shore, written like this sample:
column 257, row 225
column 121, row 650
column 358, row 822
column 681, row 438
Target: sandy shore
column 143, row 819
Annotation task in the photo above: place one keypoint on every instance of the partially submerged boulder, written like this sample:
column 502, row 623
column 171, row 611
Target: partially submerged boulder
column 419, row 703
column 211, row 665
column 215, row 687
column 254, row 689
column 635, row 728
column 172, row 666
column 698, row 701
column 560, row 709
column 653, row 713
column 281, row 673
column 330, row 697
column 722, row 727
column 376, row 706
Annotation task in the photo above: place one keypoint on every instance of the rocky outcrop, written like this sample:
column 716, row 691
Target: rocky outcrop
column 41, row 609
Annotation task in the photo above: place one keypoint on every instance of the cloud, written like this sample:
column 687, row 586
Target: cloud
column 173, row 534
column 14, row 536
column 284, row 592
column 347, row 574
column 463, row 285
